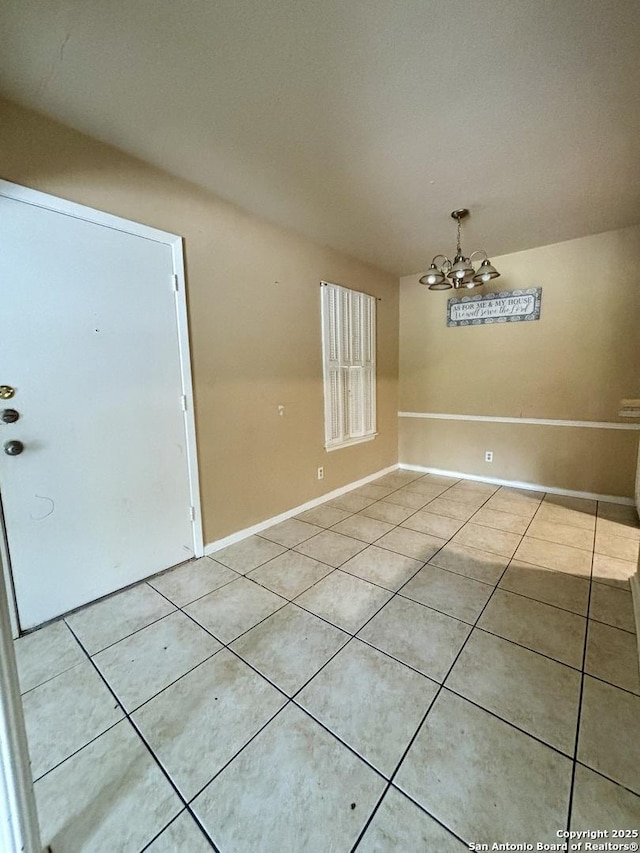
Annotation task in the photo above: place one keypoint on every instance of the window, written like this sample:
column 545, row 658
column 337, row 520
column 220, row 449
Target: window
column 349, row 357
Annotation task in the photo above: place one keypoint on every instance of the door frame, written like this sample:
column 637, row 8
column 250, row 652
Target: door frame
column 40, row 199
column 19, row 829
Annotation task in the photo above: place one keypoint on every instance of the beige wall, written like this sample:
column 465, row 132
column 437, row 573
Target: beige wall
column 254, row 314
column 576, row 363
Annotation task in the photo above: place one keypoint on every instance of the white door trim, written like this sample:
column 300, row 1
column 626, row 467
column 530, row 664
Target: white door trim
column 187, row 390
column 8, row 581
column 174, row 241
column 19, row 831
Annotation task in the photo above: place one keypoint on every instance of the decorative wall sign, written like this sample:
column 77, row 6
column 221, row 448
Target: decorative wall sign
column 510, row 306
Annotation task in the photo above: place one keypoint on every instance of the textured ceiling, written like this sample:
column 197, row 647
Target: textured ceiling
column 360, row 123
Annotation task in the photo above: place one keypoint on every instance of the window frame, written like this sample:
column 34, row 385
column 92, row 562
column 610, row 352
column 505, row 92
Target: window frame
column 348, row 325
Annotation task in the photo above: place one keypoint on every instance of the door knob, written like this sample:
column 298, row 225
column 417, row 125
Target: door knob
column 6, row 392
column 9, row 416
column 13, row 448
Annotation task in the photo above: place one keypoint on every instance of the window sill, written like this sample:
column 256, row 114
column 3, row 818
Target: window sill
column 351, row 442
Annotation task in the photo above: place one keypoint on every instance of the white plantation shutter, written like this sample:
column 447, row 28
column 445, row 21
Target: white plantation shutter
column 369, row 365
column 349, row 347
column 369, row 400
column 333, row 405
column 356, row 327
column 332, row 325
column 355, row 414
column 344, row 323
column 368, row 331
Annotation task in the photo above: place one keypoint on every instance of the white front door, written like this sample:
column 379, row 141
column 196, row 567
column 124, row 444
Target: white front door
column 100, row 495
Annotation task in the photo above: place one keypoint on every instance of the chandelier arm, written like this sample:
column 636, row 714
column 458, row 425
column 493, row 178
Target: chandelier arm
column 447, row 263
column 478, row 252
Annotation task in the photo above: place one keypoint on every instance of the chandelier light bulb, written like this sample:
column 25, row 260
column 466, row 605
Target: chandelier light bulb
column 433, row 276
column 486, row 272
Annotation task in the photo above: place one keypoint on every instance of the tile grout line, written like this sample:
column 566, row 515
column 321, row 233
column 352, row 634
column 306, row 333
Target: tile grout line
column 24, row 693
column 288, row 699
column 582, row 683
column 126, row 636
column 513, row 725
column 248, row 577
column 617, row 628
column 148, row 748
column 375, row 542
column 394, row 593
column 421, row 724
column 608, row 778
column 351, row 512
column 427, row 562
column 389, row 781
column 75, row 752
column 546, row 603
column 398, row 592
column 339, row 568
column 148, row 582
column 156, row 837
column 364, row 548
column 393, row 525
column 442, row 686
column 354, row 636
column 291, row 699
column 611, row 684
column 333, row 569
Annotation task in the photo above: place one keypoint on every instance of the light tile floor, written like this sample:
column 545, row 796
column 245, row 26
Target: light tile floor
column 419, row 665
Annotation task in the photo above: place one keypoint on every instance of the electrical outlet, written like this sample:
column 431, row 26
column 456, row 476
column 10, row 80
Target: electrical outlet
column 321, row 473
column 488, row 456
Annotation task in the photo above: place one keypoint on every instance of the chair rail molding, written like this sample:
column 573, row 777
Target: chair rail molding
column 442, row 416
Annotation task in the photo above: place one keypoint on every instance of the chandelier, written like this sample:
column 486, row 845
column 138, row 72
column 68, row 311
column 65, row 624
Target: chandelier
column 460, row 272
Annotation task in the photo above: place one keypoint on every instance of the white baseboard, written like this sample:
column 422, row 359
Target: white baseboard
column 516, row 484
column 217, row 545
column 212, row 547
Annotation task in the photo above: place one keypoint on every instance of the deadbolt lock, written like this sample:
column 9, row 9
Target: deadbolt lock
column 6, row 392
column 9, row 416
column 13, row 448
